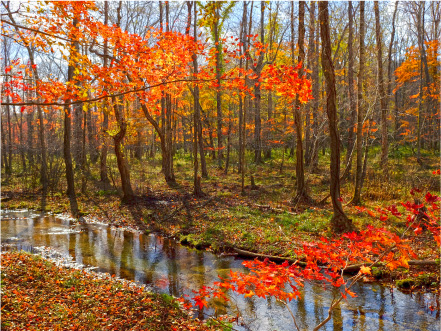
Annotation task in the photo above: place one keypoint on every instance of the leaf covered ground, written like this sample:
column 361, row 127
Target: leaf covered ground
column 38, row 295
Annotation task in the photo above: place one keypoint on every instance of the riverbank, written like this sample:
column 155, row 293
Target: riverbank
column 39, row 295
column 233, row 225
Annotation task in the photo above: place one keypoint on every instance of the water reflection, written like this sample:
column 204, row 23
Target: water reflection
column 176, row 270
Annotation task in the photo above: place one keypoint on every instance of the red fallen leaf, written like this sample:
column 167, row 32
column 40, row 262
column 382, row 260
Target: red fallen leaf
column 22, row 108
column 7, row 69
column 383, row 218
column 431, row 198
column 418, row 230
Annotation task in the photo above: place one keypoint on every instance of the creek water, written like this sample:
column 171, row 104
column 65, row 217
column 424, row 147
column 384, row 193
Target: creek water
column 171, row 268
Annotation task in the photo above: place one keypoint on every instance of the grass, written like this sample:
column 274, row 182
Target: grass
column 263, row 220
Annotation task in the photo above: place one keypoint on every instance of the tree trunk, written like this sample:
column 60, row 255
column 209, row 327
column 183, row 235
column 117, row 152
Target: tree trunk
column 339, row 222
column 356, row 200
column 315, row 95
column 310, row 62
column 301, row 194
column 67, row 138
column 121, row 160
column 91, row 137
column 218, row 91
column 381, row 88
column 105, row 126
column 197, row 189
column 389, row 69
column 269, row 125
column 352, row 102
column 30, row 140
column 167, row 153
column 257, row 92
column 8, row 160
column 227, row 161
column 5, row 164
column 83, row 154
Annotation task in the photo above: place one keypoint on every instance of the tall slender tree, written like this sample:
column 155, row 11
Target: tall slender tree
column 381, row 89
column 105, row 125
column 301, row 194
column 356, row 200
column 352, row 100
column 339, row 222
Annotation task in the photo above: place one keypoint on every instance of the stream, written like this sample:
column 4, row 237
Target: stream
column 168, row 267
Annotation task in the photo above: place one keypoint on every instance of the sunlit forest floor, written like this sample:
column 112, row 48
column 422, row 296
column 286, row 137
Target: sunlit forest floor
column 264, row 220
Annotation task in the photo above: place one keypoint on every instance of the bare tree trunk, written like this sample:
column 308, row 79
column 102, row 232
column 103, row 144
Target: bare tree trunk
column 352, row 101
column 197, row 190
column 121, row 159
column 424, row 65
column 66, row 142
column 5, row 163
column 389, row 69
column 227, row 162
column 77, row 134
column 310, row 62
column 268, row 129
column 204, row 171
column 381, row 87
column 30, row 140
column 20, row 128
column 9, row 145
column 356, row 200
column 301, row 194
column 315, row 95
column 83, row 154
column 339, row 222
column 245, row 42
column 91, row 137
column 257, row 92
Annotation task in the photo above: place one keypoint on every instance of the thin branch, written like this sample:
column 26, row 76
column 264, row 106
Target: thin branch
column 36, row 31
column 103, row 96
column 292, row 314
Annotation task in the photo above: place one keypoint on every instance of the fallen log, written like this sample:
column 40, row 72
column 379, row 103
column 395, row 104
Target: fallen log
column 273, row 258
column 349, row 269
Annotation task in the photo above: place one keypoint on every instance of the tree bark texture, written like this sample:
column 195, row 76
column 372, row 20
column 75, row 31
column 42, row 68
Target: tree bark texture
column 339, row 222
column 356, row 200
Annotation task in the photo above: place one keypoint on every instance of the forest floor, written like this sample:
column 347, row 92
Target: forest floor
column 263, row 220
column 39, row 295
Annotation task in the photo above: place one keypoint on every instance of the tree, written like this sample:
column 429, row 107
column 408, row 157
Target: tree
column 351, row 92
column 41, row 135
column 339, row 222
column 105, row 125
column 382, row 92
column 301, row 194
column 197, row 190
column 356, row 200
column 67, row 132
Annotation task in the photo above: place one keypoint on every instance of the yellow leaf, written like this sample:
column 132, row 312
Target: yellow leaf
column 365, row 270
column 249, row 294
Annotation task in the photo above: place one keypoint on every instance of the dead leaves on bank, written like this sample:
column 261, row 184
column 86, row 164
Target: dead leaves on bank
column 38, row 295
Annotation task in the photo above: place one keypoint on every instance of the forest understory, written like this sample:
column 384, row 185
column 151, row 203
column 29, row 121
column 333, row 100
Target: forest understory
column 262, row 222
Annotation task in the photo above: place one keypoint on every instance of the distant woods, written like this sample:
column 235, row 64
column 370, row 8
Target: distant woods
column 227, row 84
